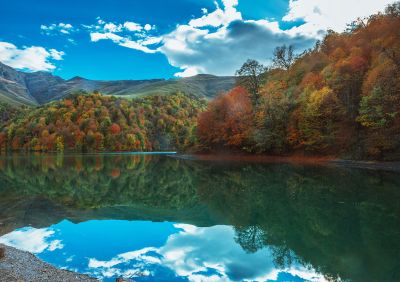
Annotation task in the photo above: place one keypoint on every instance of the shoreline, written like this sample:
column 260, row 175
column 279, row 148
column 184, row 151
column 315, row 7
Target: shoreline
column 299, row 159
column 17, row 265
column 294, row 159
column 371, row 165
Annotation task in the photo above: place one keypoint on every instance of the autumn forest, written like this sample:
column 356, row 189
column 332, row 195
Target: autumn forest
column 340, row 98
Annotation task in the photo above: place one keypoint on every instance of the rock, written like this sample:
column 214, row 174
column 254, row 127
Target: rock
column 123, row 280
column 2, row 252
column 17, row 265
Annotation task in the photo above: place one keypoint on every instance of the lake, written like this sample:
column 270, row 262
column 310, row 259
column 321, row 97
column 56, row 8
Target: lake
column 161, row 218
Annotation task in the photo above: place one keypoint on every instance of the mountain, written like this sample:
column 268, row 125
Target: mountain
column 13, row 88
column 38, row 88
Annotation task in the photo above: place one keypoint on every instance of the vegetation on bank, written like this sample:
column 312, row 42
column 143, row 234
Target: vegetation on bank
column 341, row 98
column 94, row 122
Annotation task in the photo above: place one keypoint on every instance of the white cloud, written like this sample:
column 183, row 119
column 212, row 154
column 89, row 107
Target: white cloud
column 130, row 35
column 124, row 42
column 148, row 27
column 321, row 15
column 223, row 51
column 137, row 46
column 56, row 55
column 188, row 71
column 111, row 27
column 128, row 26
column 34, row 58
column 96, row 36
column 32, row 240
column 151, row 40
column 71, row 40
column 220, row 41
column 63, row 28
column 218, row 17
column 131, row 26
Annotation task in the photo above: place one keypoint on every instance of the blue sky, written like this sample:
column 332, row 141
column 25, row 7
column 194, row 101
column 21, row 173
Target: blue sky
column 136, row 39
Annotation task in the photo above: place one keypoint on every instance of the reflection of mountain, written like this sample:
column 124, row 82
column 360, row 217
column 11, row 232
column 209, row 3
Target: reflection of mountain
column 345, row 223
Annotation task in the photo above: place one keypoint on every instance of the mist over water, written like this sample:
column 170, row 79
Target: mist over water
column 157, row 218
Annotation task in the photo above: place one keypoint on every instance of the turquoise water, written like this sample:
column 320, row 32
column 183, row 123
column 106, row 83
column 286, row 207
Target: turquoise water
column 158, row 218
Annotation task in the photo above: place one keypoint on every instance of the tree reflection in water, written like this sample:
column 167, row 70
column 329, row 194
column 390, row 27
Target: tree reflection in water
column 343, row 222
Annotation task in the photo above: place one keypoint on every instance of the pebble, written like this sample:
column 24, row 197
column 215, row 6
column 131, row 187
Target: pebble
column 17, row 265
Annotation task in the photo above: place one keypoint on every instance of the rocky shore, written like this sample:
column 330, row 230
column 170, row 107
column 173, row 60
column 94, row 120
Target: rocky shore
column 16, row 265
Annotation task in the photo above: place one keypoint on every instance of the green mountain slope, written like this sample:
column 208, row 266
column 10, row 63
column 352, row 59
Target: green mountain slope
column 41, row 87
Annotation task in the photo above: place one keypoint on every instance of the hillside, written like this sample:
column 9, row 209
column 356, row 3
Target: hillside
column 41, row 87
column 95, row 122
column 341, row 98
column 13, row 88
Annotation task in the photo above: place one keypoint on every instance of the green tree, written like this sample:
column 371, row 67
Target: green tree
column 250, row 76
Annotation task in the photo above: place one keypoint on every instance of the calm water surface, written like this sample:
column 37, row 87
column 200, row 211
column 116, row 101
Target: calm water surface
column 158, row 218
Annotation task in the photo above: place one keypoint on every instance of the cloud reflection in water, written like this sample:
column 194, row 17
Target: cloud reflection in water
column 180, row 252
column 32, row 240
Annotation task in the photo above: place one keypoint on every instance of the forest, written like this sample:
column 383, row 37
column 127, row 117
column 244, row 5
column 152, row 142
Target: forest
column 341, row 98
column 95, row 122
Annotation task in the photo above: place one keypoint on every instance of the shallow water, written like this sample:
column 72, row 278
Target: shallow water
column 158, row 218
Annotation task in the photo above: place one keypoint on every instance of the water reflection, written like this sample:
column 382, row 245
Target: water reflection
column 173, row 252
column 184, row 220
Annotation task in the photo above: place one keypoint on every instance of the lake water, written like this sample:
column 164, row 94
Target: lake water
column 160, row 218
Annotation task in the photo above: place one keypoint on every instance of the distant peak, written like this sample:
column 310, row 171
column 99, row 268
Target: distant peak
column 204, row 75
column 40, row 73
column 77, row 78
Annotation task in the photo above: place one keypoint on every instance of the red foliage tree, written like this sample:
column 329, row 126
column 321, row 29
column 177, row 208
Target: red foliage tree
column 115, row 129
column 227, row 121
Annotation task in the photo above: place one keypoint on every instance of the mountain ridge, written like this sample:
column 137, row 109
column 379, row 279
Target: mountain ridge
column 37, row 88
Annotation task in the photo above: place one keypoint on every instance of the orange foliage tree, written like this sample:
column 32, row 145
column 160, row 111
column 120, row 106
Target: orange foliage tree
column 227, row 122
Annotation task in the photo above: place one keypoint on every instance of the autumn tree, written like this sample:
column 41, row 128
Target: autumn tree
column 393, row 9
column 93, row 122
column 270, row 134
column 227, row 122
column 283, row 57
column 250, row 76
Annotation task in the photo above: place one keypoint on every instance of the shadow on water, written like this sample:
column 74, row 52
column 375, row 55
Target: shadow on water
column 343, row 222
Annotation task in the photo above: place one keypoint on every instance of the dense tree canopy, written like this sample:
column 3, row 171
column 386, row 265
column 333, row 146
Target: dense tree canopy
column 340, row 98
column 99, row 123
column 250, row 76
